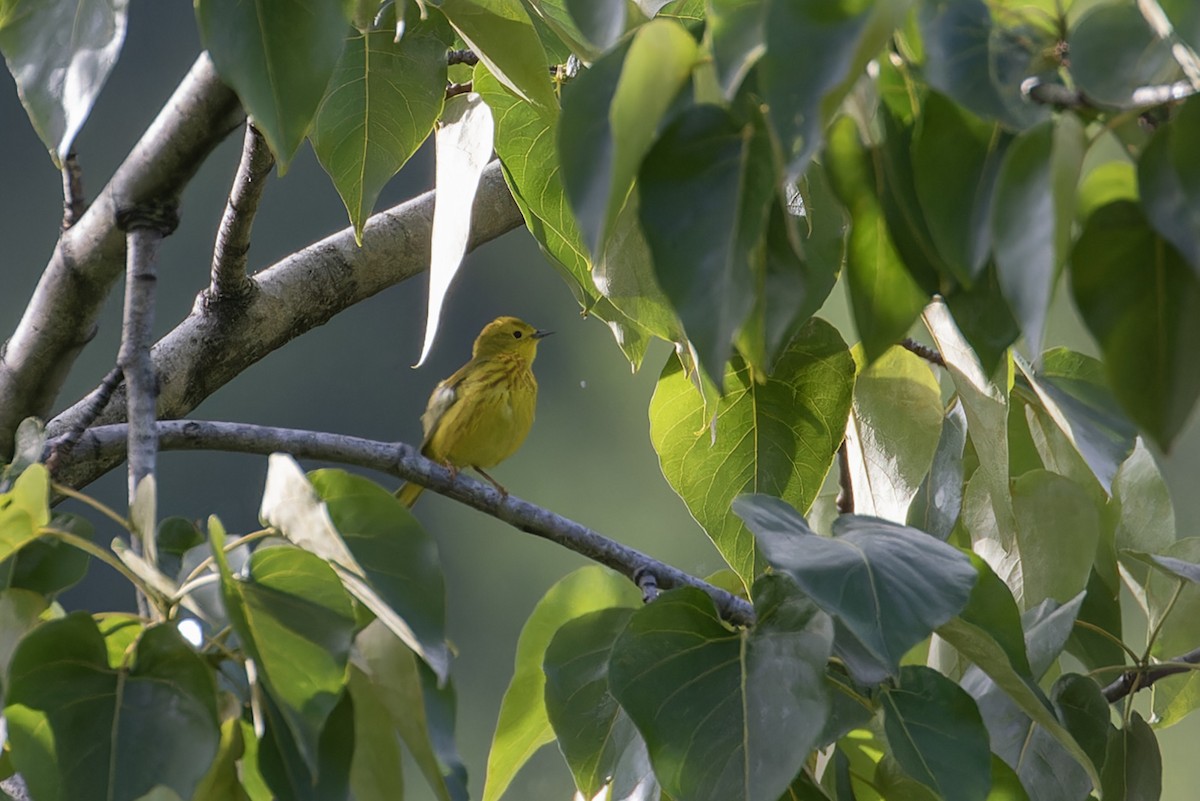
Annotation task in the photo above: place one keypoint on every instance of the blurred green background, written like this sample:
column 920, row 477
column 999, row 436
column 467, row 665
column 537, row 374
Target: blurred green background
column 589, row 456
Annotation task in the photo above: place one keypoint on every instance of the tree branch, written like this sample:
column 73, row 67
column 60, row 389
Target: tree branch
column 304, row 290
column 1140, row 678
column 74, row 203
column 89, row 257
column 105, row 443
column 229, row 279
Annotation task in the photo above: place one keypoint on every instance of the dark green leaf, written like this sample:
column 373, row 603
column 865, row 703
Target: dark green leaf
column 294, row 619
column 980, row 64
column 885, row 298
column 175, row 537
column 502, row 35
column 1085, row 712
column 414, row 706
column 399, row 559
column 48, row 565
column 223, row 781
column 937, row 735
column 985, row 318
column 992, row 608
column 376, row 772
column 594, row 733
column 524, row 727
column 1133, row 768
column 1147, row 320
column 79, row 728
column 725, row 714
column 722, row 173
column 610, row 116
column 60, row 54
column 956, row 159
column 525, row 143
column 1185, row 19
column 278, row 55
column 1058, row 529
column 1172, row 610
column 938, row 501
column 1169, row 183
column 1102, row 609
column 601, row 22
column 1114, row 52
column 888, row 585
column 738, row 39
column 381, row 104
column 779, row 436
column 290, row 773
column 554, row 15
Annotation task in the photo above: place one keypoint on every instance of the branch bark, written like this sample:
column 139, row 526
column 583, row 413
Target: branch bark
column 89, row 257
column 105, row 443
column 1139, row 679
column 214, row 344
column 229, row 280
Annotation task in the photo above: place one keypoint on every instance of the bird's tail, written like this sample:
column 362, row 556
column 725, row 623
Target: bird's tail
column 408, row 493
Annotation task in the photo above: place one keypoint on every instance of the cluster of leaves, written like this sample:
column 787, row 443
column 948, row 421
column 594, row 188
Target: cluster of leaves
column 704, row 180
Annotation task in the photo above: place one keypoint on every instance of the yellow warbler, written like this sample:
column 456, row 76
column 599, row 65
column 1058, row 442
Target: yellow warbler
column 479, row 416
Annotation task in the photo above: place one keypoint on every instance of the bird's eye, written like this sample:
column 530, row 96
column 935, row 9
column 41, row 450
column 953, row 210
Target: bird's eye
column 516, row 334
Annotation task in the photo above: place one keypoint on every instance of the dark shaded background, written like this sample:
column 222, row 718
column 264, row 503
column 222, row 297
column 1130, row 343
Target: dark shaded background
column 589, row 456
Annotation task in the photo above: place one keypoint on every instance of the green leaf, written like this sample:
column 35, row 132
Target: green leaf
column 376, row 772
column 985, row 318
column 287, row 771
column 1142, row 515
column 938, row 502
column 981, row 64
column 1146, row 320
column 1085, row 712
column 1073, row 391
column 778, row 437
column 48, row 565
column 1058, row 528
column 1115, row 52
column 1047, row 628
column 1014, row 711
column 294, row 619
column 937, row 735
column 815, row 51
column 222, row 782
column 725, row 714
column 384, row 531
column 502, row 35
column 60, row 53
column 737, row 37
column 524, row 727
column 175, row 537
column 462, row 148
column 409, row 693
column 379, row 107
column 555, row 16
column 887, row 586
column 956, row 161
column 601, row 22
column 79, row 728
column 525, row 143
column 885, row 298
column 1133, row 767
column 893, row 432
column 1185, row 19
column 31, row 493
column 278, row 55
column 722, row 172
column 594, row 734
column 20, row 612
column 992, row 608
column 610, row 116
column 28, row 445
column 1175, row 696
column 1169, row 183
column 1025, row 228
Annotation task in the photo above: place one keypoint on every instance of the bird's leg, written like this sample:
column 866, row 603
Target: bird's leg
column 499, row 487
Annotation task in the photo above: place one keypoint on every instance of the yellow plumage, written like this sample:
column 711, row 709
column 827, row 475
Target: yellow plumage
column 479, row 416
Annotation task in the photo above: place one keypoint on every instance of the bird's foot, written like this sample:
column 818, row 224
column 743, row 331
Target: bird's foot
column 499, row 487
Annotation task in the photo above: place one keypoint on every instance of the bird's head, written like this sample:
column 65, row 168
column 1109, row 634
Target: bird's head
column 508, row 335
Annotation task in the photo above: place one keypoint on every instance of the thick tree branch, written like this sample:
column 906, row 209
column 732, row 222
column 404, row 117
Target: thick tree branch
column 229, row 280
column 212, row 346
column 105, row 443
column 89, row 257
column 1140, row 678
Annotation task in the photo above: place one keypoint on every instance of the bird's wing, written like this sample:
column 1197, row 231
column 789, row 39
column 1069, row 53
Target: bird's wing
column 444, row 396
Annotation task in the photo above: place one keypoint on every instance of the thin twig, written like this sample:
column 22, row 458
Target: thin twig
column 229, row 279
column 404, row 461
column 1140, row 678
column 93, row 404
column 845, row 496
column 924, row 351
column 461, row 57
column 453, row 89
column 74, row 204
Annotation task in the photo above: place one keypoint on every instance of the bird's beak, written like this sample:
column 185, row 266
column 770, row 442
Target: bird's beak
column 540, row 333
